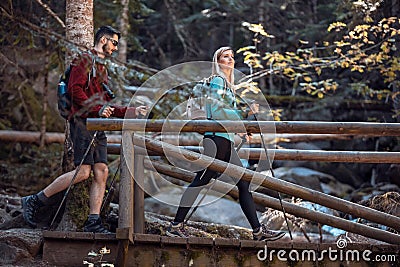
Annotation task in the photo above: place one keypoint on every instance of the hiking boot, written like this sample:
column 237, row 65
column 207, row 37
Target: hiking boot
column 30, row 206
column 176, row 230
column 263, row 234
column 95, row 226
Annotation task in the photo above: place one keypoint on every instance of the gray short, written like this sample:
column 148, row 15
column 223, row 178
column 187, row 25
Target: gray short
column 81, row 139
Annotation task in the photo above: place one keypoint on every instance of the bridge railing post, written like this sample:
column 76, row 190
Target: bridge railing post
column 126, row 198
column 139, row 194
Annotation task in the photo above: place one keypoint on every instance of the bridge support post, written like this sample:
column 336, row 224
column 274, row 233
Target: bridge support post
column 126, row 198
column 138, row 189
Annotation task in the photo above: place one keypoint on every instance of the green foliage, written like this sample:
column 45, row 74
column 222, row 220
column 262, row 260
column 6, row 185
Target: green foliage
column 78, row 208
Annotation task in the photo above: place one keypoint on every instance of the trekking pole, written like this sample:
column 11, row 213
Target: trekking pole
column 273, row 175
column 111, row 190
column 73, row 179
column 242, row 141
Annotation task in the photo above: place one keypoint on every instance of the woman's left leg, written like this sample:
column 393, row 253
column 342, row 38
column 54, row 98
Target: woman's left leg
column 245, row 197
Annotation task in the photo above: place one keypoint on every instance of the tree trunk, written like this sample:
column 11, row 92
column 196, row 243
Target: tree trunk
column 123, row 27
column 79, row 30
column 79, row 23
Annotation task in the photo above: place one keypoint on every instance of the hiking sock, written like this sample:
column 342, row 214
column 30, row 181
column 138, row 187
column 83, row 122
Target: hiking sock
column 93, row 217
column 42, row 198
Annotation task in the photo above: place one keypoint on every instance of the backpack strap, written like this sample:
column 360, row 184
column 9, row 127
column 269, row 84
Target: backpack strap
column 93, row 71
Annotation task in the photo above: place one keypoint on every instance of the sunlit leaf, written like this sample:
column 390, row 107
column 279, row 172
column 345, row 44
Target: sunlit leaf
column 246, row 48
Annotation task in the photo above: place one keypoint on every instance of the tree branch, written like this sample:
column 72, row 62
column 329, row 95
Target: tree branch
column 48, row 9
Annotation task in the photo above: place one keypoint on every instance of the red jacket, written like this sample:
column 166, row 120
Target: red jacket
column 87, row 100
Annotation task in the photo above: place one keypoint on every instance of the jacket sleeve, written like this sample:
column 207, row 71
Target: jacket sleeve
column 124, row 112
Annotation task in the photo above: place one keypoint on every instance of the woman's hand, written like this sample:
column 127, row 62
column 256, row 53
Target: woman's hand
column 254, row 108
column 245, row 136
column 141, row 111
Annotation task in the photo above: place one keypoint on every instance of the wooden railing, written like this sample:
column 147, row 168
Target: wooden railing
column 131, row 212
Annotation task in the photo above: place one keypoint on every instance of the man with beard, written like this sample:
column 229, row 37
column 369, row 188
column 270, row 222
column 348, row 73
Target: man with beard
column 90, row 96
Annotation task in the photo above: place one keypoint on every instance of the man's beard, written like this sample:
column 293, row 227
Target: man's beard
column 104, row 47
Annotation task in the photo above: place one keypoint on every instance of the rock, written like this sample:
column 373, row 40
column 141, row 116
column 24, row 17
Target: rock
column 19, row 246
column 4, row 216
column 388, row 202
column 355, row 238
column 367, row 191
column 157, row 224
column 301, row 176
column 312, row 179
column 275, row 219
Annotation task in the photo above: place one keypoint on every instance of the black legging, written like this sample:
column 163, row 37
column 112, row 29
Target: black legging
column 224, row 151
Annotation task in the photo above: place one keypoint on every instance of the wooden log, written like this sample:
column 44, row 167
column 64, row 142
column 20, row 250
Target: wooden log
column 201, row 126
column 49, row 138
column 126, row 193
column 122, row 251
column 139, row 194
column 275, row 184
column 169, row 170
column 296, row 155
column 274, row 203
column 315, row 155
column 126, row 197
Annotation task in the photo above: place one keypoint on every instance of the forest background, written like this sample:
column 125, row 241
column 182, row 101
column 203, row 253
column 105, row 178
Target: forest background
column 313, row 60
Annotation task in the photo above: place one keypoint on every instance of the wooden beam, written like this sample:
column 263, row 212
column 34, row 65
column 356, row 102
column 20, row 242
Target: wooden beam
column 201, row 126
column 278, row 185
column 274, row 203
column 49, row 138
column 296, row 155
column 126, row 198
column 126, row 192
column 139, row 224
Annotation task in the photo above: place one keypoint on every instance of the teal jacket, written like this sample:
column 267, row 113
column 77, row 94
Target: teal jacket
column 222, row 105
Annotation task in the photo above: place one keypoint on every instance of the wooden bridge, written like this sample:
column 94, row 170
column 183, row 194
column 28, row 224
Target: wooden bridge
column 131, row 247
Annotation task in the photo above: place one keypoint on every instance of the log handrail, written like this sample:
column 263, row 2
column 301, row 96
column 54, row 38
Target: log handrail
column 201, row 126
column 57, row 137
column 294, row 154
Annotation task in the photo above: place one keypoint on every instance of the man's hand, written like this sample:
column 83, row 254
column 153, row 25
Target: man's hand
column 141, row 111
column 106, row 111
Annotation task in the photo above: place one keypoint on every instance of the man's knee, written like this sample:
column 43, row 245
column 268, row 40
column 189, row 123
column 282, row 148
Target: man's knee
column 101, row 171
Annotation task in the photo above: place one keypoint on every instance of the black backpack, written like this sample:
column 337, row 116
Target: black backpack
column 64, row 101
column 63, row 98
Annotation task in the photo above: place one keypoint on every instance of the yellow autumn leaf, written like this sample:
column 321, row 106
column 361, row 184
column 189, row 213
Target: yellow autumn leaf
column 246, row 48
column 307, row 79
column 288, row 71
column 320, row 95
column 345, row 64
